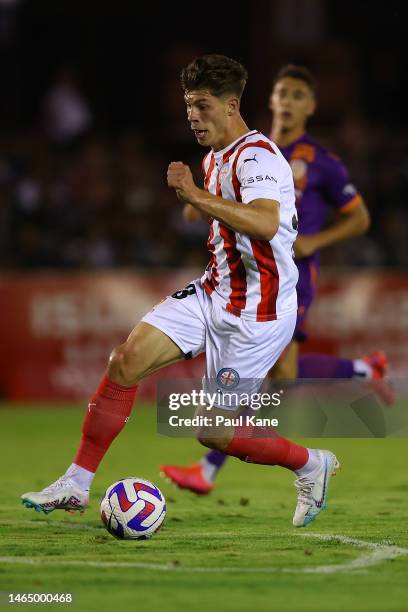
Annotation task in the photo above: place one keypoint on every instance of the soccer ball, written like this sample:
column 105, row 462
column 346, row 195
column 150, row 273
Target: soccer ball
column 133, row 509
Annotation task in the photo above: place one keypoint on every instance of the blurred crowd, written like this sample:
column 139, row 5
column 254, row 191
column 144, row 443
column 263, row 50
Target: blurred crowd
column 80, row 190
column 72, row 197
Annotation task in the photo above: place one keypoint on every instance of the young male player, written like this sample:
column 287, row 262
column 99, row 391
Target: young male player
column 321, row 181
column 241, row 313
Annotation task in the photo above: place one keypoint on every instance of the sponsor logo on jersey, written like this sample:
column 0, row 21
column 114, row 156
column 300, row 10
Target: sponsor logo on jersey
column 228, row 378
column 251, row 159
column 257, row 179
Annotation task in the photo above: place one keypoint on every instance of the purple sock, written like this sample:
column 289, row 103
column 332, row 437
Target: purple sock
column 216, row 457
column 324, row 366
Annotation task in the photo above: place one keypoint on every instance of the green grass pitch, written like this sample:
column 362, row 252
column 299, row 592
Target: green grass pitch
column 234, row 550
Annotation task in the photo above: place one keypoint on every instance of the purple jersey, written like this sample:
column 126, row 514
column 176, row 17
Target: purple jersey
column 321, row 182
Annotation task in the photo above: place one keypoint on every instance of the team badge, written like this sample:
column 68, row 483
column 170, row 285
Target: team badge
column 349, row 189
column 228, row 378
column 223, row 172
column 299, row 168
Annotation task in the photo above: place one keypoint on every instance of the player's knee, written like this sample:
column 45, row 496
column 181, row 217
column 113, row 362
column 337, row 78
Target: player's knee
column 125, row 364
column 208, row 439
column 283, row 370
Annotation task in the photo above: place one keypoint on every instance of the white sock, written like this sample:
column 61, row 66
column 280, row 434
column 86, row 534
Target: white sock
column 311, row 464
column 362, row 369
column 209, row 469
column 82, row 477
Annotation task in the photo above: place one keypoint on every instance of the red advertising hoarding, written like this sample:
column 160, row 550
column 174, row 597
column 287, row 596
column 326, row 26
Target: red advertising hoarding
column 57, row 330
column 356, row 313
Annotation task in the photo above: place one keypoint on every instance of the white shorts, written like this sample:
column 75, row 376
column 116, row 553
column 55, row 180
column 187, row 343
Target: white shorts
column 238, row 352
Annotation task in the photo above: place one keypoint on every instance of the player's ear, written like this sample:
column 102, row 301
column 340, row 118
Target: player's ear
column 232, row 106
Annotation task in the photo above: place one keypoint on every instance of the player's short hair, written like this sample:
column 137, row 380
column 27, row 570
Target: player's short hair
column 217, row 74
column 297, row 72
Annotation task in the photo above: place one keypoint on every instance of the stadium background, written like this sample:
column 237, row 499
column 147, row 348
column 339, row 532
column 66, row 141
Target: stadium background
column 90, row 235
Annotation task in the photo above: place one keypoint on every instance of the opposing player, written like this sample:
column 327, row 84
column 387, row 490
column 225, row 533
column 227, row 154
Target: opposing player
column 321, row 182
column 241, row 313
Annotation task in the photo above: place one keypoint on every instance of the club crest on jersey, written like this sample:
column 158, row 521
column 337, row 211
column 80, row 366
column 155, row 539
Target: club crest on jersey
column 349, row 189
column 223, row 172
column 299, row 168
column 228, row 378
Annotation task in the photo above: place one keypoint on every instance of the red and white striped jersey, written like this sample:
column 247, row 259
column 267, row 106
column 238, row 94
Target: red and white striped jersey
column 253, row 279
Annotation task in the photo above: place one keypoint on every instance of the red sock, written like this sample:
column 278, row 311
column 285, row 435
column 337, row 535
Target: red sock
column 108, row 412
column 263, row 445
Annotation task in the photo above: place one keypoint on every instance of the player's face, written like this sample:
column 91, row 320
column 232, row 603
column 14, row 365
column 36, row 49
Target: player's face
column 292, row 102
column 208, row 117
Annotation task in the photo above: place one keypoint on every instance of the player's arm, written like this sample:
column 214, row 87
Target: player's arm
column 191, row 214
column 349, row 225
column 257, row 218
column 353, row 218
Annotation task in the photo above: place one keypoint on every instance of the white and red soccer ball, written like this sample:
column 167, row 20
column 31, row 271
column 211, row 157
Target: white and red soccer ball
column 133, row 509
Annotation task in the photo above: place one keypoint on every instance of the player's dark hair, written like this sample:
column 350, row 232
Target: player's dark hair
column 217, row 74
column 297, row 72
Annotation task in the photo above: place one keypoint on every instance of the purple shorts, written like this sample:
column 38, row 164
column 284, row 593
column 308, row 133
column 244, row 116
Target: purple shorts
column 306, row 290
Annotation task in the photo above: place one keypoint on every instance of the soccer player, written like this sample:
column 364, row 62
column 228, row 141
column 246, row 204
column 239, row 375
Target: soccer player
column 241, row 313
column 321, row 181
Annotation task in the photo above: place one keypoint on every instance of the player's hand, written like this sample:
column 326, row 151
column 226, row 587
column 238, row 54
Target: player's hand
column 306, row 245
column 180, row 178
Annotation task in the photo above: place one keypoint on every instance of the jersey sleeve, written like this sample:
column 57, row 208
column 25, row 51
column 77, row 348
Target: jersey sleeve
column 341, row 192
column 259, row 174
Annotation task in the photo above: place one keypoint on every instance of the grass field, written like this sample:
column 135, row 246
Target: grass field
column 233, row 551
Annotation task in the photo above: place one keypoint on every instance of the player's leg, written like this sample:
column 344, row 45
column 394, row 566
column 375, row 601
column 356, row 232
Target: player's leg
column 159, row 340
column 197, row 477
column 263, row 343
column 313, row 467
column 146, row 350
column 371, row 369
column 286, row 367
column 200, row 477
